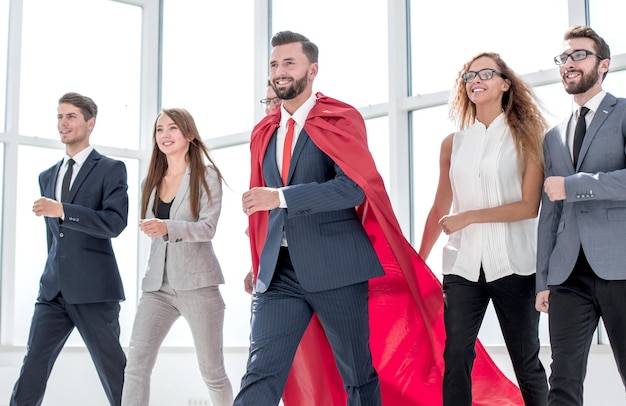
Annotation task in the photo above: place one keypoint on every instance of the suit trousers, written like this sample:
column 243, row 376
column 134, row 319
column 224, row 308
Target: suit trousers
column 203, row 309
column 280, row 316
column 465, row 304
column 575, row 310
column 52, row 324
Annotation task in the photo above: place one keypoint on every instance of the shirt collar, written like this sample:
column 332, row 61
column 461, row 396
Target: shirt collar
column 592, row 104
column 300, row 115
column 80, row 157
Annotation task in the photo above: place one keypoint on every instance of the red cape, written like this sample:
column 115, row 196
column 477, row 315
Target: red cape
column 405, row 306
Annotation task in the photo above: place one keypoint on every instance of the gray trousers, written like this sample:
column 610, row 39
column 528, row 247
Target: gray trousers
column 204, row 311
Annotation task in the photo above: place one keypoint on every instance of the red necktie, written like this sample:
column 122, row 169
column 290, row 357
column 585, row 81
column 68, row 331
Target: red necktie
column 287, row 150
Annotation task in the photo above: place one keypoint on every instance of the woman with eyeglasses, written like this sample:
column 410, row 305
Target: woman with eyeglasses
column 487, row 200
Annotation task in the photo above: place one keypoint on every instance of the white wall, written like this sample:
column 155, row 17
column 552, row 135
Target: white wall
column 176, row 380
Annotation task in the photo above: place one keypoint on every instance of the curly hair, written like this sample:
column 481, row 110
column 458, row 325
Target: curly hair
column 519, row 104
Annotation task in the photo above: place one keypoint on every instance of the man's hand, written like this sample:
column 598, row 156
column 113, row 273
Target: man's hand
column 554, row 187
column 248, row 282
column 47, row 207
column 259, row 199
column 541, row 301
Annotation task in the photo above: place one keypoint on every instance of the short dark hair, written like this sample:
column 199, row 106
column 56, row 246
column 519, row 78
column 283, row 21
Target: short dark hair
column 288, row 37
column 87, row 106
column 583, row 31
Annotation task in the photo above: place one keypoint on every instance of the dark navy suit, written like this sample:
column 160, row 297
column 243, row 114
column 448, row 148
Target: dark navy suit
column 324, row 270
column 81, row 285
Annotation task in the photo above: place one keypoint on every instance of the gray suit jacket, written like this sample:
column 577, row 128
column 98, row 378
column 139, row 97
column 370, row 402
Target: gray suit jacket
column 191, row 262
column 593, row 215
column 328, row 245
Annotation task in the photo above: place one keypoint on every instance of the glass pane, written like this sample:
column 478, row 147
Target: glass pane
column 556, row 103
column 353, row 65
column 30, row 242
column 231, row 244
column 378, row 141
column 442, row 47
column 430, row 127
column 607, row 17
column 86, row 56
column 208, row 62
column 4, row 23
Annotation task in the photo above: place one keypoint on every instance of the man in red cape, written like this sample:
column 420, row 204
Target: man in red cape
column 405, row 306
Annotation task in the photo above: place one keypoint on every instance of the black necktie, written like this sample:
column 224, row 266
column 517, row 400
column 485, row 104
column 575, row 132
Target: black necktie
column 579, row 133
column 65, row 186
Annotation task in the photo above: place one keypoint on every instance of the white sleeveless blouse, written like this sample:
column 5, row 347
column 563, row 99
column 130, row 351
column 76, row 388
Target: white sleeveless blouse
column 484, row 173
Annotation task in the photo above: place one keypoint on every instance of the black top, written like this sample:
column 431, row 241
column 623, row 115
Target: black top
column 163, row 209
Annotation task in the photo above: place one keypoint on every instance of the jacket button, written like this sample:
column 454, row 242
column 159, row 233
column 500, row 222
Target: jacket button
column 61, row 235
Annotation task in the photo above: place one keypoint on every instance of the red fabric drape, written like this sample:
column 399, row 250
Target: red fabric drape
column 405, row 306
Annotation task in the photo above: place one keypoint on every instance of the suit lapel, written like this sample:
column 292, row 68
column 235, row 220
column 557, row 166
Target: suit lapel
column 567, row 156
column 87, row 167
column 303, row 138
column 270, row 166
column 604, row 110
column 50, row 191
column 183, row 189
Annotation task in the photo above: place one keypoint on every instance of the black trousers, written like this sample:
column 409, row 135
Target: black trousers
column 514, row 302
column 575, row 308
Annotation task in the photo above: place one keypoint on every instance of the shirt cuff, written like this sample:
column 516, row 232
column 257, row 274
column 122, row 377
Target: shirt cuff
column 281, row 198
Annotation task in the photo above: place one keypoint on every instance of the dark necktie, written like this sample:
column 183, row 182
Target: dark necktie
column 579, row 133
column 65, row 186
column 287, row 150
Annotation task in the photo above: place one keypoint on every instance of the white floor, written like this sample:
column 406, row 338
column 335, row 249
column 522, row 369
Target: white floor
column 176, row 381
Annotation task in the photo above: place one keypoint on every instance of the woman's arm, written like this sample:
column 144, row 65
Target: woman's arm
column 441, row 204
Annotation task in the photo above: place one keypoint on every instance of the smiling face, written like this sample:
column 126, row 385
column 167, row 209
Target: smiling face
column 73, row 128
column 584, row 76
column 486, row 91
column 291, row 75
column 169, row 138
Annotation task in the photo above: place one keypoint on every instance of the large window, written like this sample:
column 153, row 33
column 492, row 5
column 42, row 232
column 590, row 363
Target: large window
column 208, row 62
column 4, row 23
column 70, row 46
column 352, row 40
column 65, row 48
column 524, row 34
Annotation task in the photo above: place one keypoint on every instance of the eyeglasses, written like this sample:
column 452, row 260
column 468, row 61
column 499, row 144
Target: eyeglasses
column 577, row 55
column 483, row 74
column 267, row 102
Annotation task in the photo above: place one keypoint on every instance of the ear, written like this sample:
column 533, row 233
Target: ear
column 506, row 85
column 604, row 65
column 91, row 123
column 313, row 71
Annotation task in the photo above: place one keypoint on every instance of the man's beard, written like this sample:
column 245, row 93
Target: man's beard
column 291, row 92
column 587, row 81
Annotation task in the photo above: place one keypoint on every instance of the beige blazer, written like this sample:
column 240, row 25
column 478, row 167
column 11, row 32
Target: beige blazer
column 186, row 253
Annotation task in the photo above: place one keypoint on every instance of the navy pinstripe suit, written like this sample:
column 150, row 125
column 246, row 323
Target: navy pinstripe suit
column 324, row 270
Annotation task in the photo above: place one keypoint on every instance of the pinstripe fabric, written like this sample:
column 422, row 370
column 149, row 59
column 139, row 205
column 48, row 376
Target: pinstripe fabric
column 327, row 243
column 324, row 270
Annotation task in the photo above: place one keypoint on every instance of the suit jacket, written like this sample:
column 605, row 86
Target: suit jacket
column 191, row 262
column 81, row 264
column 593, row 215
column 328, row 245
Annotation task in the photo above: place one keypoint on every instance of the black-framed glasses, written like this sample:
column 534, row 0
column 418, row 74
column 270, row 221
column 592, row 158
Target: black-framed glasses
column 577, row 55
column 483, row 74
column 271, row 100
